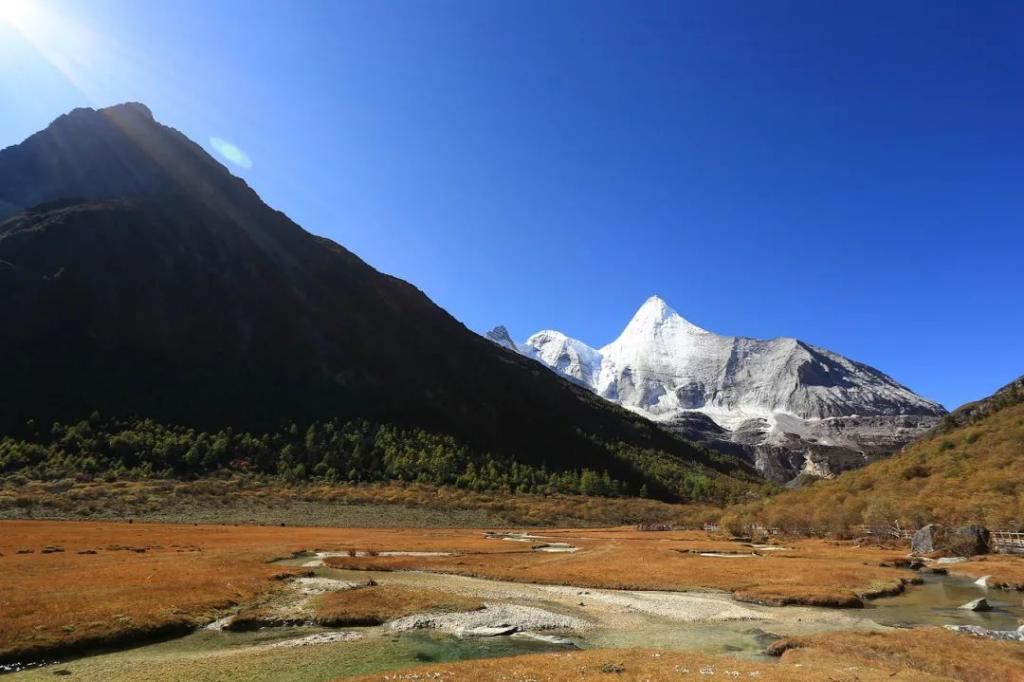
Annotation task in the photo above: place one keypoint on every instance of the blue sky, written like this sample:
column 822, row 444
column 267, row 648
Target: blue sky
column 848, row 173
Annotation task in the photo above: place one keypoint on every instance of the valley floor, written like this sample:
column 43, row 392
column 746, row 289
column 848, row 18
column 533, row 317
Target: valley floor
column 304, row 603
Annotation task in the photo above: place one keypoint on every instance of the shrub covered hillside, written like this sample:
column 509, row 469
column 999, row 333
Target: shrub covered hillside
column 971, row 470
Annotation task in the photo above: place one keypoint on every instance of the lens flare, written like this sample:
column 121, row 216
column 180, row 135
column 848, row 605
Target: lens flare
column 231, row 152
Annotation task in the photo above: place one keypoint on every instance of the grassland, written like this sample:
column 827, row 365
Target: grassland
column 377, row 604
column 251, row 500
column 75, row 587
column 809, row 571
column 151, row 579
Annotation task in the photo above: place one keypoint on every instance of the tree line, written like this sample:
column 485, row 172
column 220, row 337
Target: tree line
column 337, row 451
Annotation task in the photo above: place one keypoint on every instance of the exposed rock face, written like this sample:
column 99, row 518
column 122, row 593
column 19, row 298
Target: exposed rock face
column 500, row 336
column 787, row 406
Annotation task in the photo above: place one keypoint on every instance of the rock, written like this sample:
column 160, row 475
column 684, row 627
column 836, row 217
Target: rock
column 495, row 631
column 915, row 565
column 952, row 560
column 973, row 540
column 313, row 640
column 998, row 635
column 935, row 570
column 547, row 639
column 980, row 604
column 982, row 581
column 965, row 541
column 493, row 616
column 926, row 539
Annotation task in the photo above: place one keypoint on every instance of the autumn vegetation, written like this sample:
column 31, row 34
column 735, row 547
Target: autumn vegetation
column 120, row 582
column 966, row 474
column 809, row 571
column 377, row 604
column 234, row 498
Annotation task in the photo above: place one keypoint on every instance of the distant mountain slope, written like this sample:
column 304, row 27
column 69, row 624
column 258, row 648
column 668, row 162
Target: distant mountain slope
column 789, row 406
column 970, row 472
column 965, row 415
column 138, row 277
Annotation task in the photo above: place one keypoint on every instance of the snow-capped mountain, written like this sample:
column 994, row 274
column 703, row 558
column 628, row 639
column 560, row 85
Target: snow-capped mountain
column 789, row 406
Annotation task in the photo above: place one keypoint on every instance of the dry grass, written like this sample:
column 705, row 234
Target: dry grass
column 1006, row 571
column 146, row 580
column 247, row 500
column 923, row 652
column 918, row 656
column 187, row 575
column 143, row 580
column 378, row 604
column 815, row 572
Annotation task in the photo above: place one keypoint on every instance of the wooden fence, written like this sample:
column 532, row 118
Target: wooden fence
column 1002, row 540
column 1006, row 541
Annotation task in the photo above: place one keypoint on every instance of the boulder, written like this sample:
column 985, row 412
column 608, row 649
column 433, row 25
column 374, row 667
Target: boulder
column 926, row 539
column 964, row 541
column 980, row 604
column 972, row 540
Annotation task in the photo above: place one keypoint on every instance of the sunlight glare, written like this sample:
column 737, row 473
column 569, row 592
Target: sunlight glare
column 17, row 13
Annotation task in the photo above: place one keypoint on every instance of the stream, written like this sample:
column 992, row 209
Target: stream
column 937, row 602
column 618, row 620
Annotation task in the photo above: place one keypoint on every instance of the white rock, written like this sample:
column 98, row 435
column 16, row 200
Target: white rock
column 980, row 604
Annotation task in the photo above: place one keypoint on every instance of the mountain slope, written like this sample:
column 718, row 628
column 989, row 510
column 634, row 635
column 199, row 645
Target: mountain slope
column 139, row 277
column 969, row 471
column 789, row 406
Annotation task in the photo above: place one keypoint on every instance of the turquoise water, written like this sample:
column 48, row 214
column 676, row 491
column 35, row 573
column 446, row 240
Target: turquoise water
column 936, row 602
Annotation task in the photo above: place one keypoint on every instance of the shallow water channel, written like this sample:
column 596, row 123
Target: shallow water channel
column 618, row 619
column 937, row 602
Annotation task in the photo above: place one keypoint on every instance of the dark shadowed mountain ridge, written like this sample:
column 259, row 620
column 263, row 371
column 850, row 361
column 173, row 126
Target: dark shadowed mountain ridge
column 139, row 277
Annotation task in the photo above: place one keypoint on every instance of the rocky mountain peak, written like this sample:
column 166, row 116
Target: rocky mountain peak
column 500, row 336
column 781, row 401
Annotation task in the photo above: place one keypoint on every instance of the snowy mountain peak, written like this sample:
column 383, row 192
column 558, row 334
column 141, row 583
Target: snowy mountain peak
column 566, row 355
column 773, row 393
column 653, row 320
